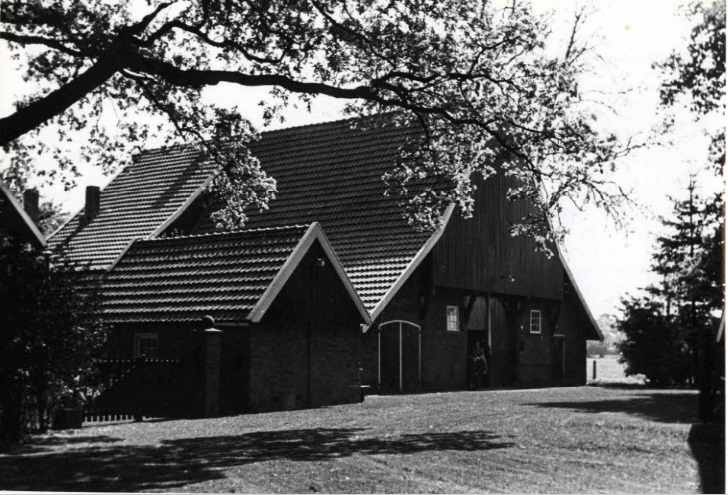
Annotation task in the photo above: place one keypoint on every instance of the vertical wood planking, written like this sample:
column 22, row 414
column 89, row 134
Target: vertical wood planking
column 479, row 253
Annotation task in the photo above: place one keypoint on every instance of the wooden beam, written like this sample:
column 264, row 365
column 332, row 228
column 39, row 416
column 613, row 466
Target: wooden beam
column 469, row 308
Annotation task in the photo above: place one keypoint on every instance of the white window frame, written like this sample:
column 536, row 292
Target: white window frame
column 452, row 325
column 537, row 313
column 138, row 337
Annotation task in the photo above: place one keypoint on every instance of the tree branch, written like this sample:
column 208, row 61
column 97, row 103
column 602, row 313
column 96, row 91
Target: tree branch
column 24, row 39
column 33, row 115
column 198, row 78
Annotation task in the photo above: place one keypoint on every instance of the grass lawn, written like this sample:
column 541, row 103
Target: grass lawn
column 585, row 439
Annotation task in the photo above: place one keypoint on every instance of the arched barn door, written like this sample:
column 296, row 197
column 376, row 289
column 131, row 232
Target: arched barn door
column 400, row 353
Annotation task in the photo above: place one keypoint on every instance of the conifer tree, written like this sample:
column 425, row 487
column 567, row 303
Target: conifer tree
column 681, row 308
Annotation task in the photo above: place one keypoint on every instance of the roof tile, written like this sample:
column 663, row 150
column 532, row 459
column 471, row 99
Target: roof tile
column 186, row 278
column 329, row 173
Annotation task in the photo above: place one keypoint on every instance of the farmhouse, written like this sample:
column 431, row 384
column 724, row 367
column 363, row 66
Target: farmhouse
column 367, row 291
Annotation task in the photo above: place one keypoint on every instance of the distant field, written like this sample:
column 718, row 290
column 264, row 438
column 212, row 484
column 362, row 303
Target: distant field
column 609, row 371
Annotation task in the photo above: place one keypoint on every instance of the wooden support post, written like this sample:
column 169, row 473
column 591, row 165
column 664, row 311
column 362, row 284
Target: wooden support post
column 140, row 390
column 212, row 372
column 211, row 350
column 512, row 307
column 469, row 309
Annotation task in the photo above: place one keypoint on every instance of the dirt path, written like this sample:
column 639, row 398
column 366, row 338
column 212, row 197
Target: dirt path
column 584, row 439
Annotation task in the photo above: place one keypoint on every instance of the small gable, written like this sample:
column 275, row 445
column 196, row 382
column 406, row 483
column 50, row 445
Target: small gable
column 16, row 222
column 185, row 278
column 233, row 276
column 135, row 204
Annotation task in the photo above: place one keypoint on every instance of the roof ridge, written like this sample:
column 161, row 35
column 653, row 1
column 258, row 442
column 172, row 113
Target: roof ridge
column 228, row 232
column 317, row 124
column 183, row 147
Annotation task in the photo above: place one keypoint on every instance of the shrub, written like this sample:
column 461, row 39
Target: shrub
column 49, row 337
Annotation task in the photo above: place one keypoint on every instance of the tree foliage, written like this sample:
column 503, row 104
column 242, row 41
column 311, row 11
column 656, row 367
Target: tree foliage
column 49, row 338
column 477, row 78
column 688, row 258
column 671, row 331
column 698, row 77
column 50, row 217
column 653, row 345
column 664, row 330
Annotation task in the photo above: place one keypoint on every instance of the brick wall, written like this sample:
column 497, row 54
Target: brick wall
column 535, row 351
column 517, row 357
column 306, row 351
column 443, row 353
column 572, row 324
column 279, row 364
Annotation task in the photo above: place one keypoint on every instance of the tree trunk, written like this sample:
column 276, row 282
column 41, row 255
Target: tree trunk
column 11, row 417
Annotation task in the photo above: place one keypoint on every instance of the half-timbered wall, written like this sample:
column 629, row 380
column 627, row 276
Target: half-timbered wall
column 516, row 356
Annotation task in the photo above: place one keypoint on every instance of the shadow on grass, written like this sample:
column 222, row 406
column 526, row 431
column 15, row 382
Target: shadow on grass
column 707, row 442
column 676, row 407
column 45, row 444
column 175, row 463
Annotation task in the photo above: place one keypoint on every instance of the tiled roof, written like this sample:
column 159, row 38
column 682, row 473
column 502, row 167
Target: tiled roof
column 133, row 205
column 186, row 278
column 332, row 173
column 329, row 173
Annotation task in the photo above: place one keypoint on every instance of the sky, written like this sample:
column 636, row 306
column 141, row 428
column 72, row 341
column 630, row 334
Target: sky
column 629, row 36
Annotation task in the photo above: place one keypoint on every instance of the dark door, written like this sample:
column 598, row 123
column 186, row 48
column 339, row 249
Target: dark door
column 234, row 372
column 558, row 363
column 410, row 358
column 399, row 356
column 389, row 358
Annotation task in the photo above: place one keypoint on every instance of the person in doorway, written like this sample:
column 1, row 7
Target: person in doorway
column 480, row 366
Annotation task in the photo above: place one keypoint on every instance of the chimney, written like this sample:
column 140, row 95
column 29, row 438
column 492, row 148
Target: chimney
column 93, row 202
column 30, row 204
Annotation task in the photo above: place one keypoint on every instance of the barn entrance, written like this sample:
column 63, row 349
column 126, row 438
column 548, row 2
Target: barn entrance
column 400, row 353
column 480, row 336
column 558, row 359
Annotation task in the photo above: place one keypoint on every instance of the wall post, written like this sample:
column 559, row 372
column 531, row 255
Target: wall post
column 211, row 351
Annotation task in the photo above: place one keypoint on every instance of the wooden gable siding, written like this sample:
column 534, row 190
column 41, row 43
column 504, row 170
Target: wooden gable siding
column 479, row 253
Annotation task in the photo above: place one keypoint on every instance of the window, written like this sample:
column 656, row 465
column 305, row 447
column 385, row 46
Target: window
column 146, row 345
column 535, row 321
column 453, row 318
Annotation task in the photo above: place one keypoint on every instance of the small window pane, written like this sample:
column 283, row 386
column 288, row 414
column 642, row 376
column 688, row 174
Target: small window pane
column 146, row 345
column 453, row 318
column 535, row 321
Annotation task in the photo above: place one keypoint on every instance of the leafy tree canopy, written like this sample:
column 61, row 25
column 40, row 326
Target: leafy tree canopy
column 477, row 77
column 698, row 76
